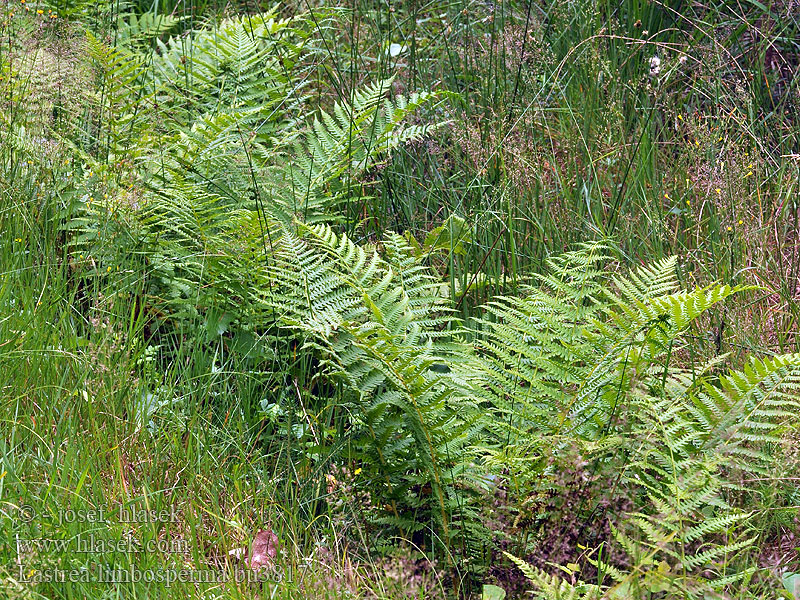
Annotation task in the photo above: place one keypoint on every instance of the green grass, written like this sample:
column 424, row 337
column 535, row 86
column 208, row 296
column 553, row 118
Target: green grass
column 113, row 395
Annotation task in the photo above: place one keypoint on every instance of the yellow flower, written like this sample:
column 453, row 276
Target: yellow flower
column 666, row 196
column 719, row 191
column 688, row 203
column 730, row 228
column 680, row 117
column 357, row 471
column 40, row 12
column 109, row 268
column 741, row 222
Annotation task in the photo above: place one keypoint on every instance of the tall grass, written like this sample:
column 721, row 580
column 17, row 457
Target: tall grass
column 562, row 128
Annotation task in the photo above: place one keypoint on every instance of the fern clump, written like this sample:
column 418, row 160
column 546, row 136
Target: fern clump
column 237, row 187
column 579, row 362
column 237, row 229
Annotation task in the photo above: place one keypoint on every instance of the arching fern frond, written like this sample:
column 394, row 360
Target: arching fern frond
column 579, row 361
column 342, row 144
column 552, row 587
column 416, row 423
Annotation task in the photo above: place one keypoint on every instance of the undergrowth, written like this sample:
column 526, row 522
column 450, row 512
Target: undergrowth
column 387, row 301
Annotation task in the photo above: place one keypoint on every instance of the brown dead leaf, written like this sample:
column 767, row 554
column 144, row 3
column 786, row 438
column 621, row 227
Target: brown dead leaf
column 264, row 549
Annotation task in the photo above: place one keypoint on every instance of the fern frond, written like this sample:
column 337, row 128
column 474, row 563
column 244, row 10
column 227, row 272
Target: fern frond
column 552, row 587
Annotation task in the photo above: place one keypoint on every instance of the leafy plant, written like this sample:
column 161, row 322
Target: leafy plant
column 577, row 362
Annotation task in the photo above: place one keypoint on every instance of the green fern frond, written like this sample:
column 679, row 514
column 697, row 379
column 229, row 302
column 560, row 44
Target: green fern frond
column 578, row 359
column 552, row 587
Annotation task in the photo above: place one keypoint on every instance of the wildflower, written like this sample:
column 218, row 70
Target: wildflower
column 666, row 196
column 40, row 12
column 109, row 268
column 730, row 228
column 688, row 203
column 395, row 49
column 655, row 66
column 741, row 222
column 357, row 471
column 683, row 59
column 749, row 173
column 719, row 191
column 680, row 117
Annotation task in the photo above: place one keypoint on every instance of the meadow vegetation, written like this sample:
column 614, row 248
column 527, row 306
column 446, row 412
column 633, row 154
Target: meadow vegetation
column 384, row 300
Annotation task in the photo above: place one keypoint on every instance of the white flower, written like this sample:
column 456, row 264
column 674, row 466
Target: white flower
column 395, row 49
column 683, row 59
column 655, row 66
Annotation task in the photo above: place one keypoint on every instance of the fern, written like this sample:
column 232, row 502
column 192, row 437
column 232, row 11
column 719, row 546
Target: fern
column 576, row 361
column 137, row 31
column 339, row 146
column 241, row 62
column 123, row 101
column 243, row 192
column 552, row 587
column 236, row 98
column 415, row 423
column 221, row 169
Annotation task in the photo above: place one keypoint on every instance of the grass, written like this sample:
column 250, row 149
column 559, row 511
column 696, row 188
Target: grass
column 85, row 450
column 561, row 129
